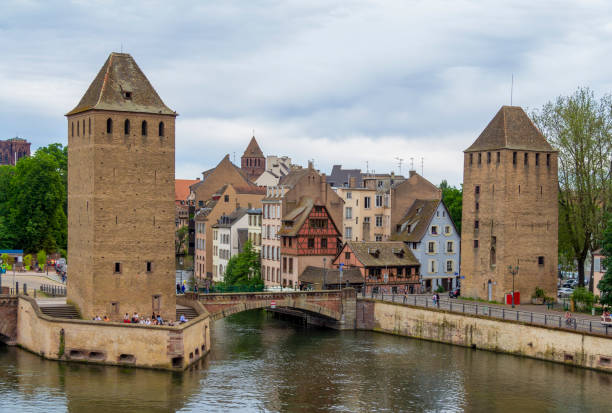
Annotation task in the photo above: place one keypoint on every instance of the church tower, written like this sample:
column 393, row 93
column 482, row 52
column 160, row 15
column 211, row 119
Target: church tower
column 121, row 196
column 510, row 215
column 253, row 161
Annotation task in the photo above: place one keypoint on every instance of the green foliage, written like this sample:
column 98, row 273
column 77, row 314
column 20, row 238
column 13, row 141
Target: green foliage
column 539, row 293
column 440, row 289
column 580, row 128
column 605, row 284
column 5, row 258
column 244, row 269
column 453, row 199
column 181, row 238
column 583, row 298
column 34, row 206
column 41, row 258
column 27, row 260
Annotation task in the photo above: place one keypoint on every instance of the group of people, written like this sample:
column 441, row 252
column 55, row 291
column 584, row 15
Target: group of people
column 155, row 320
column 436, row 299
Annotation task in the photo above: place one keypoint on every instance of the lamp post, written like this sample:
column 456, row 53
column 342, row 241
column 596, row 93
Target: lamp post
column 513, row 271
column 324, row 272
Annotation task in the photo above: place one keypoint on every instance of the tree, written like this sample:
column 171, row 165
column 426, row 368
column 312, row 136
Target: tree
column 181, row 238
column 33, row 211
column 244, row 269
column 605, row 284
column 60, row 154
column 41, row 258
column 7, row 238
column 580, row 128
column 453, row 199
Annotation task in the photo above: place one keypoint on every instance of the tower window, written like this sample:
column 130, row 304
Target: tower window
column 149, row 266
column 498, row 157
column 89, row 127
column 117, row 268
column 514, row 158
column 144, row 128
column 161, row 128
column 471, row 158
column 72, row 125
column 526, row 158
column 476, row 223
column 78, row 124
column 476, row 206
column 477, row 189
column 475, row 243
column 127, row 95
column 479, row 158
column 537, row 159
column 126, row 126
column 109, row 125
column 488, row 157
column 547, row 159
column 540, row 260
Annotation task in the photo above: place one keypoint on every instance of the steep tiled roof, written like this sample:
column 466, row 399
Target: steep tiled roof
column 226, row 221
column 254, row 190
column 293, row 177
column 181, row 188
column 340, row 177
column 417, row 220
column 253, row 150
column 316, row 275
column 511, row 128
column 225, row 161
column 381, row 254
column 121, row 86
column 296, row 217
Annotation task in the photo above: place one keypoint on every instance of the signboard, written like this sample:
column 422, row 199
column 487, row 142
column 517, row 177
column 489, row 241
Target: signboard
column 272, row 304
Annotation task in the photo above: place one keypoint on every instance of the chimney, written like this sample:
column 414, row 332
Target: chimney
column 310, row 165
column 352, row 182
column 411, row 173
column 324, row 188
column 198, row 178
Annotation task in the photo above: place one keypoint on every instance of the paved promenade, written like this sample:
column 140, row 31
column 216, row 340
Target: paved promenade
column 532, row 314
column 32, row 279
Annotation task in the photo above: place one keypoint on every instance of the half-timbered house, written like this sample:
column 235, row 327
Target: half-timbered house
column 388, row 267
column 309, row 237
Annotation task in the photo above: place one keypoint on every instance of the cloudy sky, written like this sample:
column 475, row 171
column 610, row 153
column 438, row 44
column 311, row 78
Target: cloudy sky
column 350, row 82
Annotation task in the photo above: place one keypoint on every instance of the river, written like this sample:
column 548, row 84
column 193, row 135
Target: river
column 259, row 363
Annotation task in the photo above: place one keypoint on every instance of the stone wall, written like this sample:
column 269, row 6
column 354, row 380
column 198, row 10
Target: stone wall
column 161, row 347
column 481, row 332
column 8, row 319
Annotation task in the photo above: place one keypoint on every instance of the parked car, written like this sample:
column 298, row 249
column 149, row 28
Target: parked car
column 454, row 293
column 564, row 292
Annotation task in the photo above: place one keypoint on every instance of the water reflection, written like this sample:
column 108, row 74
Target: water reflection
column 262, row 364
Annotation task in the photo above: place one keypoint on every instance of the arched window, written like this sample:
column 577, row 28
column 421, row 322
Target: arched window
column 144, row 128
column 161, row 128
column 109, row 125
column 126, row 127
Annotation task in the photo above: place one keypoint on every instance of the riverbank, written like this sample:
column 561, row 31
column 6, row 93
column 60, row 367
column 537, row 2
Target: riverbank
column 577, row 348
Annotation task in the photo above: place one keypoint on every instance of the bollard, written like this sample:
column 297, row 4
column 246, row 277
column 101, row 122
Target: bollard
column 25, row 289
column 17, row 288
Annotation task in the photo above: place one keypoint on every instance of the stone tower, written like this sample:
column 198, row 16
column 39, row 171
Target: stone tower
column 121, row 196
column 253, row 161
column 509, row 210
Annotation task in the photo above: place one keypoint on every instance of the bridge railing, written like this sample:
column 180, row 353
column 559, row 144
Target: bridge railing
column 529, row 317
column 53, row 290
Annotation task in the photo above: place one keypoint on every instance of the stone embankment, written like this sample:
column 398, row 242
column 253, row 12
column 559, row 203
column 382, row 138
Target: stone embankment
column 577, row 348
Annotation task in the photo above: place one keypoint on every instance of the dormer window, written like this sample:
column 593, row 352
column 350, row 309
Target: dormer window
column 127, row 95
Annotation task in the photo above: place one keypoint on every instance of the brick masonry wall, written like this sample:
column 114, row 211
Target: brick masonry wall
column 8, row 319
column 121, row 210
column 518, row 206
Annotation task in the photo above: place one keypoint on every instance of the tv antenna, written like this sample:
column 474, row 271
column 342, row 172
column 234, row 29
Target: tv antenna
column 399, row 161
column 367, row 168
column 422, row 164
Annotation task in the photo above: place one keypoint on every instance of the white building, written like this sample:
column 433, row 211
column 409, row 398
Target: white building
column 229, row 235
column 270, row 241
column 254, row 218
column 276, row 167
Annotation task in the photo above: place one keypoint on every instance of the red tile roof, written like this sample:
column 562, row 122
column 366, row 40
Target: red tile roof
column 181, row 188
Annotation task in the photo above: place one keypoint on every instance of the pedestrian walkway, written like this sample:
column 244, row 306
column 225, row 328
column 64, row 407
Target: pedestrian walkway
column 531, row 314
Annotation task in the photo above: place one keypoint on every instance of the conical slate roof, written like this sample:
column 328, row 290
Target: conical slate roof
column 121, row 86
column 511, row 128
column 253, row 150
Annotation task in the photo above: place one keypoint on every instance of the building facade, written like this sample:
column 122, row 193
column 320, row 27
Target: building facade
column 430, row 234
column 272, row 211
column 387, row 267
column 254, row 229
column 121, row 229
column 309, row 237
column 510, row 210
column 228, row 240
column 12, row 150
column 367, row 214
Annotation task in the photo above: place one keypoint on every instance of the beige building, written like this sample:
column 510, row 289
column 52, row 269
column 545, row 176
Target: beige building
column 510, row 215
column 367, row 214
column 272, row 209
column 121, row 196
column 223, row 202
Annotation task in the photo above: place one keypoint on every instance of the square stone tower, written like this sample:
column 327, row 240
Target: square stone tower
column 121, row 196
column 510, row 215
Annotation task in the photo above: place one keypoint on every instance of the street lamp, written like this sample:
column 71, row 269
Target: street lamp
column 324, row 272
column 513, row 271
